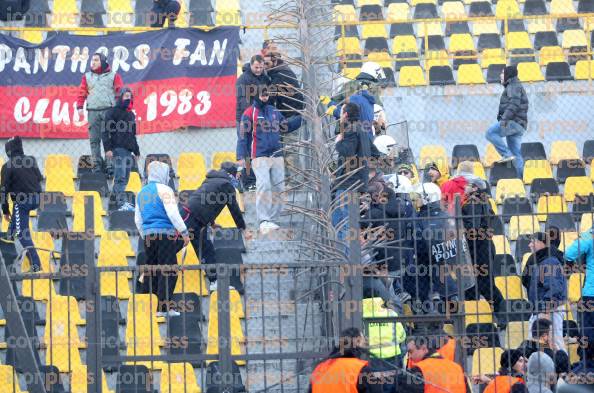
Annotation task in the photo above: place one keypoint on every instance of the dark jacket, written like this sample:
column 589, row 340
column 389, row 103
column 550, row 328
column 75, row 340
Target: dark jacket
column 533, row 260
column 412, row 380
column 513, row 105
column 289, row 100
column 21, row 179
column 528, row 347
column 212, row 196
column 119, row 130
column 353, row 153
column 260, row 129
column 477, row 219
column 246, row 89
column 547, row 282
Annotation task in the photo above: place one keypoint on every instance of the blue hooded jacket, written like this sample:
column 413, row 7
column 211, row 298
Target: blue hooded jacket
column 366, row 101
column 547, row 281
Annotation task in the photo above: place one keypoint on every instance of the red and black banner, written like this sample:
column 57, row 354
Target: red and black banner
column 180, row 78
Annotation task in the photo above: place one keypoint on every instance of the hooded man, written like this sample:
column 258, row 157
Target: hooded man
column 120, row 144
column 259, row 140
column 284, row 83
column 204, row 205
column 159, row 224
column 99, row 88
column 541, row 373
column 162, row 10
column 512, row 120
column 21, row 181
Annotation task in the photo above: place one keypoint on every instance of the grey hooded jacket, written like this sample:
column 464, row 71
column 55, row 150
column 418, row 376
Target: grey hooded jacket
column 541, row 372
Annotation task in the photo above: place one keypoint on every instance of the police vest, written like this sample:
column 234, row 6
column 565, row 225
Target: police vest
column 340, row 375
column 442, row 375
column 101, row 93
column 502, row 384
column 384, row 337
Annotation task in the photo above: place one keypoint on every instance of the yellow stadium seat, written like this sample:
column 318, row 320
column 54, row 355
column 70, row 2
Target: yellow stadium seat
column 228, row 12
column 191, row 169
column 538, row 25
column 563, row 150
column 411, row 76
column 43, row 242
column 114, row 248
column 530, row 72
column 502, row 245
column 142, row 331
column 35, row 37
column 120, row 13
column 224, row 219
column 134, row 183
column 10, row 379
column 398, row 12
column 415, row 2
column 567, row 238
column 61, row 337
column 518, row 40
column 435, row 58
column 510, row 287
column 122, row 6
column 344, row 13
column 577, row 185
column 221, row 156
column 115, row 244
column 348, row 46
column 190, row 280
column 237, row 336
column 574, row 287
column 478, row 170
column 436, row 154
column 78, row 381
column 429, row 28
column 65, row 13
column 484, row 27
column 574, row 352
column 492, row 56
column 523, row 225
column 586, row 222
column 178, row 378
column 584, row 69
column 477, row 311
column 550, row 54
column 507, row 9
column 550, row 204
column 486, row 361
column 493, row 205
column 525, row 258
column 361, row 3
column 78, row 212
column 453, row 10
column 470, row 74
column 461, row 42
column 562, row 7
column 534, row 169
column 491, row 155
column 40, row 289
column 115, row 284
column 382, row 58
column 509, row 188
column 58, row 163
column 574, row 38
column 351, row 73
column 374, row 29
column 55, row 182
column 515, row 333
column 404, row 43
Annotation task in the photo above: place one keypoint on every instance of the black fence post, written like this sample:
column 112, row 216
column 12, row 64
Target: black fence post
column 352, row 316
column 93, row 302
column 459, row 322
column 224, row 325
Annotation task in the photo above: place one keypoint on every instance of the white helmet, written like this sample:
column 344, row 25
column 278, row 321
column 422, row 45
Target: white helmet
column 373, row 69
column 429, row 192
column 400, row 184
column 384, row 143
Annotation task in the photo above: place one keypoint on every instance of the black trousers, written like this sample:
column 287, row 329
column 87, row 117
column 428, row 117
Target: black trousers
column 162, row 249
column 203, row 246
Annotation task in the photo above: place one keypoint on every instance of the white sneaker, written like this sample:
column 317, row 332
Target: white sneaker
column 170, row 313
column 126, row 207
column 213, row 286
column 506, row 159
column 266, row 226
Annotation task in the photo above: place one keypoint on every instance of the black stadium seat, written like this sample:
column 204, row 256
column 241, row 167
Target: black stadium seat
column 388, row 2
column 457, row 28
column 186, row 326
column 464, row 153
column 94, row 182
column 231, row 256
column 513, row 25
column 134, row 379
column 85, row 165
column 371, row 12
column 563, row 221
column 533, row 151
column 8, row 250
column 390, row 80
column 376, row 44
column 228, row 238
column 494, row 73
column 558, row 71
column 485, row 335
column 502, row 171
column 441, row 75
column 516, row 207
column 535, row 7
column 397, row 29
column 190, row 304
column 488, row 41
column 352, row 61
column 425, row 11
column 582, row 204
column 585, row 6
column 480, row 8
column 412, row 59
column 569, row 168
column 523, row 55
column 543, row 186
column 522, row 246
column 52, row 202
column 497, row 225
column 461, row 57
column 122, row 221
column 588, row 151
column 503, row 265
column 349, row 31
column 545, row 38
column 128, row 196
column 40, row 6
column 51, row 221
column 92, row 6
column 568, row 24
column 434, row 42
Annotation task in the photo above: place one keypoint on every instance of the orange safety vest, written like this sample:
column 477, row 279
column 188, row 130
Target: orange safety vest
column 502, row 384
column 442, row 375
column 447, row 351
column 339, row 375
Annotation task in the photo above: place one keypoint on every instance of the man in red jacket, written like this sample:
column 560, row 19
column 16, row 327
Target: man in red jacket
column 99, row 88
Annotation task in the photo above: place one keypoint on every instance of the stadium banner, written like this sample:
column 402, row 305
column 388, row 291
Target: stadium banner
column 180, row 78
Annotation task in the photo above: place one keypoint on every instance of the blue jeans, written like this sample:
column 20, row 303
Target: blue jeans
column 512, row 148
column 19, row 228
column 122, row 164
column 341, row 213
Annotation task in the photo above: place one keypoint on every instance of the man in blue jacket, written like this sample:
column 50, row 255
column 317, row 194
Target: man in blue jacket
column 584, row 247
column 548, row 288
column 259, row 139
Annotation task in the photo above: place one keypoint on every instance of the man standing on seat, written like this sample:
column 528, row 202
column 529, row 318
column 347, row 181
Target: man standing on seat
column 512, row 120
column 21, row 180
column 120, row 145
column 99, row 88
